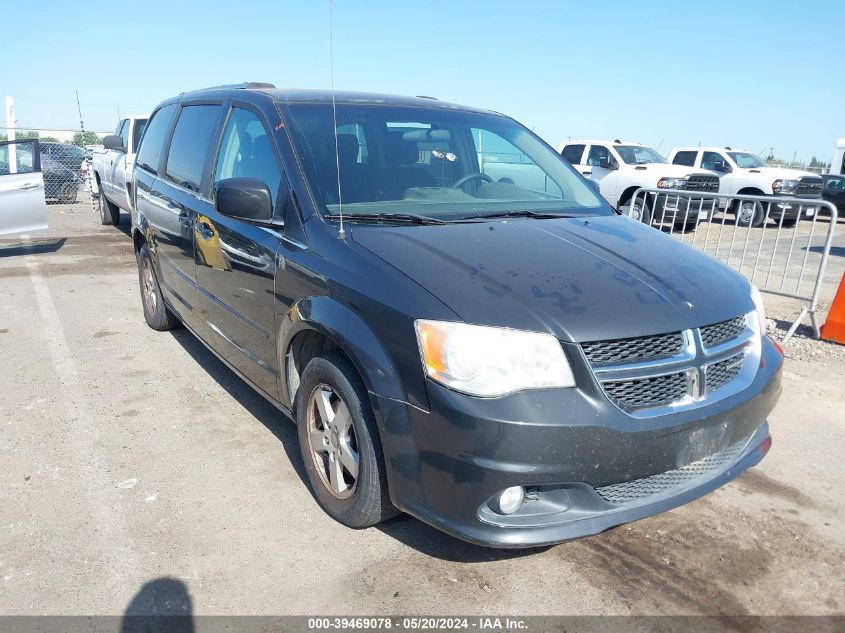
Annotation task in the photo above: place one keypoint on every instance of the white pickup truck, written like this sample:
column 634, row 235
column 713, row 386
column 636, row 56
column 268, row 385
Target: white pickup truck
column 112, row 168
column 620, row 168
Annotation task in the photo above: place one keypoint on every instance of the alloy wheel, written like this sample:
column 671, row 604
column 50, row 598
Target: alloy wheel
column 332, row 442
column 149, row 289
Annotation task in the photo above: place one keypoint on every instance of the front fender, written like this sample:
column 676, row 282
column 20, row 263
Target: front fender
column 349, row 331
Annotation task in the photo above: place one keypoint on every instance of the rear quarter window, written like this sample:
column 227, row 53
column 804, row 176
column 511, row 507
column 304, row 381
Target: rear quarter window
column 152, row 141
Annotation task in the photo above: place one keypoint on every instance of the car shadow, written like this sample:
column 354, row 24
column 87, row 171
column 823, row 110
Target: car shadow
column 835, row 251
column 32, row 247
column 403, row 528
column 125, row 225
column 161, row 605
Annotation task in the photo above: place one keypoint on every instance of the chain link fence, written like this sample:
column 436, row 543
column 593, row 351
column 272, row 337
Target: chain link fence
column 65, row 161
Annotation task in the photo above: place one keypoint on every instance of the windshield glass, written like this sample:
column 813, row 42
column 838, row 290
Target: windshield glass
column 746, row 160
column 432, row 162
column 636, row 155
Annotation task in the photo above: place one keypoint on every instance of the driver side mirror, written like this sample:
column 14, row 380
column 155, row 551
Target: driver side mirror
column 245, row 199
column 113, row 141
column 606, row 163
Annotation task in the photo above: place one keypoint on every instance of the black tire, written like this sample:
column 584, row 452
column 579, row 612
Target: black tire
column 368, row 501
column 109, row 212
column 645, row 215
column 745, row 218
column 157, row 314
column 67, row 194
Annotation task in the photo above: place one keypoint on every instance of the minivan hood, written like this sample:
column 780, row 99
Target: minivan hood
column 579, row 279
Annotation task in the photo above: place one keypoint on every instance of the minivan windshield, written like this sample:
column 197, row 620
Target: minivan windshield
column 638, row 155
column 422, row 164
column 746, row 160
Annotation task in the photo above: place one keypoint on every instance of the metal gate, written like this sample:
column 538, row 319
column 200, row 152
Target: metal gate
column 781, row 244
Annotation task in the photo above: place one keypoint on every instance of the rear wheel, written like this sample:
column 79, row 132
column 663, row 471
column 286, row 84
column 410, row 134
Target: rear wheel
column 156, row 313
column 67, row 193
column 109, row 212
column 340, row 443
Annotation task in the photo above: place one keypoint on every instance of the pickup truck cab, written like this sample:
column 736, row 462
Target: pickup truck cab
column 621, row 168
column 493, row 350
column 742, row 172
column 112, row 168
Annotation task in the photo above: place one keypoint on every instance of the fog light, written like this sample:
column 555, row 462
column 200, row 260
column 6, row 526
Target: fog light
column 510, row 499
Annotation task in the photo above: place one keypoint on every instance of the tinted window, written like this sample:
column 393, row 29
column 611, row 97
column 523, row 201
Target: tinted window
column 153, row 140
column 124, row 133
column 247, row 151
column 24, row 162
column 119, row 127
column 189, row 146
column 684, row 158
column 710, row 159
column 140, row 124
column 598, row 153
column 573, row 153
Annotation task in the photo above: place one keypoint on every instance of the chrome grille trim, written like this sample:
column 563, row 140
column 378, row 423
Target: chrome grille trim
column 653, row 387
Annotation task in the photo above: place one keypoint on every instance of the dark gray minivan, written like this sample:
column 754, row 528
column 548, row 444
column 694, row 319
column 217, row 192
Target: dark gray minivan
column 460, row 326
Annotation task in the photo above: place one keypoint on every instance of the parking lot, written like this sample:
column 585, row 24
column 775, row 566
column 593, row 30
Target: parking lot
column 131, row 456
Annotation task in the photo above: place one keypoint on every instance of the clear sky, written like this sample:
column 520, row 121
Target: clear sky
column 747, row 74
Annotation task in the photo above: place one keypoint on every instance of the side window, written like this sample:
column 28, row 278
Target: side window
column 124, row 133
column 573, row 153
column 152, row 141
column 189, row 145
column 119, row 127
column 17, row 157
column 137, row 132
column 597, row 154
column 709, row 159
column 505, row 164
column 684, row 158
column 247, row 152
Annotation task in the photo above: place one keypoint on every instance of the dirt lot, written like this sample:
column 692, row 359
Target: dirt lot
column 130, row 455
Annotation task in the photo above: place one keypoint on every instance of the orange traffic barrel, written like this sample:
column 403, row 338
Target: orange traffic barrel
column 834, row 328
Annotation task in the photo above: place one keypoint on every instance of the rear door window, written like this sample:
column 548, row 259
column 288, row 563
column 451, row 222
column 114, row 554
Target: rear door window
column 685, row 158
column 152, row 142
column 188, row 151
column 573, row 153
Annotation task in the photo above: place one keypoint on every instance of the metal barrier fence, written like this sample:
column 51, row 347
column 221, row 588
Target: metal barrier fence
column 65, row 163
column 781, row 244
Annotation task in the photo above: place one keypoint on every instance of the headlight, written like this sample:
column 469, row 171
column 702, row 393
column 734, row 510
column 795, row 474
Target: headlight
column 491, row 361
column 759, row 308
column 784, row 186
column 671, row 183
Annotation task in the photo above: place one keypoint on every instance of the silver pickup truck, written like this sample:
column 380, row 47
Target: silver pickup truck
column 112, row 168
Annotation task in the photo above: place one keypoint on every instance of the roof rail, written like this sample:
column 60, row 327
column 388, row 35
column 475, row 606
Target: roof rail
column 247, row 85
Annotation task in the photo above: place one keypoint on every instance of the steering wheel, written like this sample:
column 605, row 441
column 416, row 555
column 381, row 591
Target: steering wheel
column 465, row 179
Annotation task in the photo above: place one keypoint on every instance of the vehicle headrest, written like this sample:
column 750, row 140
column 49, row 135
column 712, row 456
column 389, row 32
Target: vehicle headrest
column 398, row 151
column 347, row 148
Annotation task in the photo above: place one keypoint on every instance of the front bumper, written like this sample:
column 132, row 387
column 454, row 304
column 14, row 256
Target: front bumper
column 564, row 446
column 684, row 208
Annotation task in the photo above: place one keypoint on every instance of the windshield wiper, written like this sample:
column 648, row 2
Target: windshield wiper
column 405, row 218
column 520, row 213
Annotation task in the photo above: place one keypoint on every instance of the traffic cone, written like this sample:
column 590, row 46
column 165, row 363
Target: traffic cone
column 834, row 328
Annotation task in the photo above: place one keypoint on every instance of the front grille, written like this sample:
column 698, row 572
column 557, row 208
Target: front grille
column 643, row 393
column 722, row 332
column 809, row 186
column 719, row 374
column 637, row 489
column 628, row 350
column 702, row 182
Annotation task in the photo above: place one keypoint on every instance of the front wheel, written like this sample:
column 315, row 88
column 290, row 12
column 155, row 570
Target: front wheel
column 67, row 194
column 637, row 210
column 340, row 443
column 749, row 213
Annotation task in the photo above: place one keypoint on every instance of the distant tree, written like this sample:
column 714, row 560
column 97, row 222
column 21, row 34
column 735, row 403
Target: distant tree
column 81, row 139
